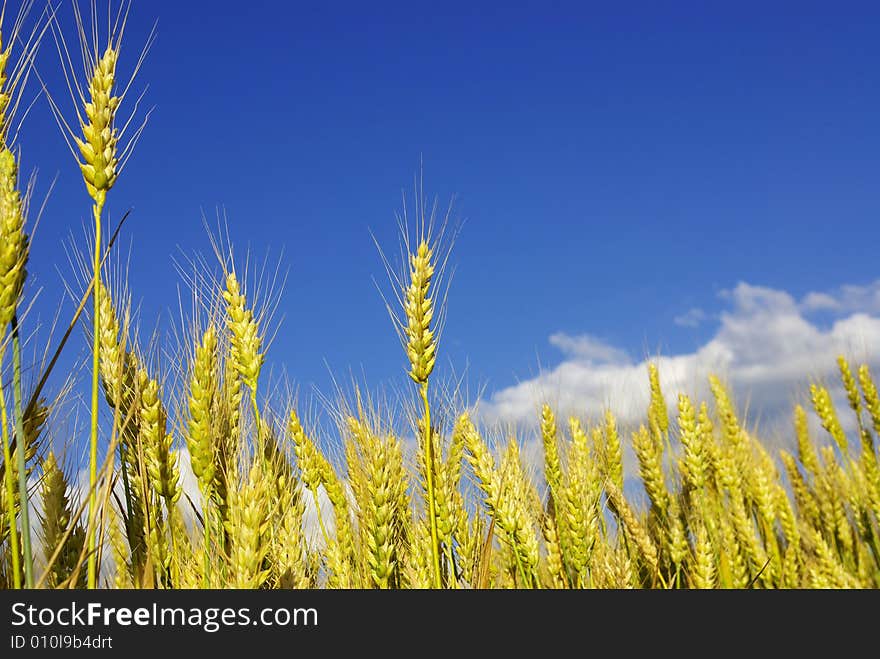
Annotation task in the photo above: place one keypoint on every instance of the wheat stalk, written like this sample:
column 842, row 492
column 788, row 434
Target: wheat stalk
column 95, row 144
column 13, row 259
column 421, row 348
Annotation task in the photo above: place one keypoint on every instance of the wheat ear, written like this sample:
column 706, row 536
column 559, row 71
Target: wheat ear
column 98, row 149
column 56, row 518
column 249, row 520
column 421, row 348
column 579, row 505
column 246, row 341
column 200, row 440
column 13, row 259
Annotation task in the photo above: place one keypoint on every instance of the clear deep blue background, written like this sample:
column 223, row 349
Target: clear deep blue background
column 615, row 165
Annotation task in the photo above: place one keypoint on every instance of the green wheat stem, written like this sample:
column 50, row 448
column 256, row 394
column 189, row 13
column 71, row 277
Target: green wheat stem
column 10, row 489
column 257, row 419
column 93, row 445
column 206, row 521
column 522, row 570
column 22, row 447
column 450, row 556
column 126, row 487
column 174, row 568
column 219, row 531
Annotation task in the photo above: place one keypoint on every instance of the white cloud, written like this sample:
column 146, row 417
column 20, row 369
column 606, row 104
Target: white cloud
column 850, row 298
column 586, row 348
column 691, row 318
column 819, row 302
column 765, row 347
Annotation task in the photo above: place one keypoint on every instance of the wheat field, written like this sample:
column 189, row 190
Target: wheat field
column 199, row 476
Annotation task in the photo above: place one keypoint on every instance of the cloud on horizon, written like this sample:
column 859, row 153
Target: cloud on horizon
column 768, row 347
column 691, row 318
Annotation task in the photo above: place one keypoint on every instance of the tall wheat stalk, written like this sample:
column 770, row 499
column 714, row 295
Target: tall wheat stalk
column 419, row 329
column 99, row 177
column 14, row 248
column 101, row 159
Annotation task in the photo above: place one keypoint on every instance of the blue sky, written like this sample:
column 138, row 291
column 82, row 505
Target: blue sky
column 617, row 167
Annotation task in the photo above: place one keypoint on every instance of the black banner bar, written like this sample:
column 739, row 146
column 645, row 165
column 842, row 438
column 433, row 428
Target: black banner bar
column 399, row 623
